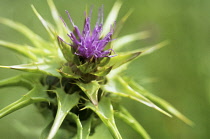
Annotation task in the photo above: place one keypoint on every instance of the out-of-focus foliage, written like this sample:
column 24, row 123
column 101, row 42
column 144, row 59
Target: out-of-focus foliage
column 178, row 73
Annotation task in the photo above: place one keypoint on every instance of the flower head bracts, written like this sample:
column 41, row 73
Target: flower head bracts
column 89, row 44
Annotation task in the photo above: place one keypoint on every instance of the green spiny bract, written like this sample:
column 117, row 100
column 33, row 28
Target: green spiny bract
column 75, row 91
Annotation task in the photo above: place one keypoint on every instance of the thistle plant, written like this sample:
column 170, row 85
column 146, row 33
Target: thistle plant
column 75, row 79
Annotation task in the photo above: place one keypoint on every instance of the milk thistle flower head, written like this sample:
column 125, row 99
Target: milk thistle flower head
column 89, row 44
column 77, row 85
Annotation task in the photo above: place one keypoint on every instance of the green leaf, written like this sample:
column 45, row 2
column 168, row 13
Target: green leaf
column 34, row 38
column 37, row 94
column 111, row 17
column 46, row 68
column 33, row 53
column 104, row 61
column 150, row 49
column 120, row 23
column 46, row 25
column 122, row 58
column 56, row 17
column 164, row 104
column 121, row 61
column 125, row 116
column 120, row 42
column 86, row 128
column 46, row 131
column 65, row 103
column 83, row 127
column 65, row 49
column 105, row 111
column 91, row 90
column 120, row 87
column 64, row 131
column 79, row 125
column 24, row 80
column 24, row 50
column 66, row 71
column 87, row 67
column 102, row 71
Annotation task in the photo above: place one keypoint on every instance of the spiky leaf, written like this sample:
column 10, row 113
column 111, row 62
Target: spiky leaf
column 102, row 71
column 111, row 17
column 46, row 25
column 56, row 17
column 125, row 116
column 37, row 94
column 67, row 72
column 122, row 58
column 24, row 80
column 65, row 103
column 120, row 42
column 24, row 50
column 34, row 38
column 65, row 49
column 45, row 68
column 164, row 104
column 120, row 87
column 91, row 90
column 105, row 111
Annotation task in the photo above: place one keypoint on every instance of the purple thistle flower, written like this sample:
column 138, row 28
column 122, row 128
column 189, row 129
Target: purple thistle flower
column 87, row 43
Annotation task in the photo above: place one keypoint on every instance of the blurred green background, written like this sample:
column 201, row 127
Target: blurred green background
column 179, row 73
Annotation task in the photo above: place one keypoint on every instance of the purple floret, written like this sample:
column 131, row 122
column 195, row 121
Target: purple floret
column 87, row 43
